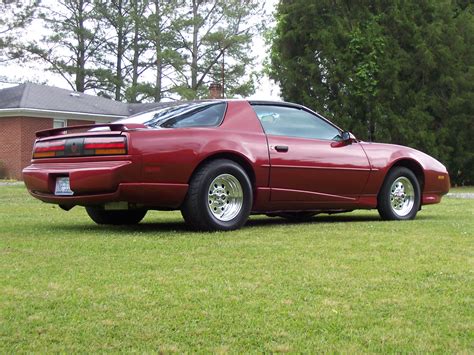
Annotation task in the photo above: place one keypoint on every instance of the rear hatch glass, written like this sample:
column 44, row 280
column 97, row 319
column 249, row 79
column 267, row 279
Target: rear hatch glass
column 189, row 114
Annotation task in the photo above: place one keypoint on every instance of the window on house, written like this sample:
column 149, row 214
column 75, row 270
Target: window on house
column 59, row 123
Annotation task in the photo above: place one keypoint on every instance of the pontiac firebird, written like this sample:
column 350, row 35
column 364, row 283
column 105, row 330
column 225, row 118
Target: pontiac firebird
column 220, row 161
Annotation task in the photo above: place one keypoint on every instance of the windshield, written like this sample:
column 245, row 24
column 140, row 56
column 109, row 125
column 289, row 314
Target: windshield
column 190, row 114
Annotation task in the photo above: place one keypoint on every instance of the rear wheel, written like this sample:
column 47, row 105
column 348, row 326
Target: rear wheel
column 400, row 196
column 119, row 217
column 219, row 197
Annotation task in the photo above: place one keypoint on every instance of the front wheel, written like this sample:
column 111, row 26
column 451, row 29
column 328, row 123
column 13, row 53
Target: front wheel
column 119, row 217
column 400, row 196
column 219, row 197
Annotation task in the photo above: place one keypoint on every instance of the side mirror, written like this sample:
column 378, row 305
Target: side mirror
column 346, row 139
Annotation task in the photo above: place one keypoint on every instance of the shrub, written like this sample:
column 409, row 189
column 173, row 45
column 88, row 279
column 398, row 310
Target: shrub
column 3, row 170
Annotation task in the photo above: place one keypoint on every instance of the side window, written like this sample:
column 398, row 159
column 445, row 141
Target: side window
column 209, row 115
column 294, row 122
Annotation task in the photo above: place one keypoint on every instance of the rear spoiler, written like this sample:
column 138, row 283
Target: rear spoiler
column 119, row 127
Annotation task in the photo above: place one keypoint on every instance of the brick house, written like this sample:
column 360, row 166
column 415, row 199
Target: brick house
column 27, row 108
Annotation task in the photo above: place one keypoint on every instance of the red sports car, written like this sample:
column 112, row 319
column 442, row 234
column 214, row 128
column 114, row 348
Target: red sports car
column 219, row 161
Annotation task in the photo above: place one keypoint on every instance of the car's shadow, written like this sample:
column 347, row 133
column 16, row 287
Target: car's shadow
column 180, row 226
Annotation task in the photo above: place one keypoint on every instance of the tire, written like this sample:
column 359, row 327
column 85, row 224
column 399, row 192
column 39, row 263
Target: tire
column 400, row 196
column 119, row 217
column 219, row 198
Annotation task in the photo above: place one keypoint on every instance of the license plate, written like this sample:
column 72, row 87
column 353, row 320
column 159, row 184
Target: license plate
column 62, row 187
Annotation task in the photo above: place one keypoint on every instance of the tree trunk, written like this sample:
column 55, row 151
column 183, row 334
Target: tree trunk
column 159, row 59
column 80, row 65
column 120, row 50
column 194, row 54
column 135, row 63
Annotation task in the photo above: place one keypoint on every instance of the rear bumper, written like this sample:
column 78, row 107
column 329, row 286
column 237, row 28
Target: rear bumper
column 101, row 182
column 156, row 195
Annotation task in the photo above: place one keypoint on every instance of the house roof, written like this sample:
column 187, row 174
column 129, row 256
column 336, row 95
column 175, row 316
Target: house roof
column 41, row 100
column 34, row 96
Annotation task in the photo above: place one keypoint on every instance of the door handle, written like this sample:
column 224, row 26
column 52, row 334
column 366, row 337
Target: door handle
column 281, row 148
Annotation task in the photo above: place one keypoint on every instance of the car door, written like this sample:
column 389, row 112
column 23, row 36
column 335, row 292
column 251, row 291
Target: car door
column 308, row 161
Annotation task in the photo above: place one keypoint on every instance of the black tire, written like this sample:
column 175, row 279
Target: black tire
column 302, row 216
column 394, row 203
column 119, row 217
column 201, row 197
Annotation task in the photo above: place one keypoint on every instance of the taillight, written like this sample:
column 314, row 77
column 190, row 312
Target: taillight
column 74, row 147
column 49, row 149
column 105, row 146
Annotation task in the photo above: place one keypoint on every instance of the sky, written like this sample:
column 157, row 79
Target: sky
column 266, row 89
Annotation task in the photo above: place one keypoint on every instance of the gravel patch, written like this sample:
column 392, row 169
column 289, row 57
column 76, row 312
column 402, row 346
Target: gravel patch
column 467, row 195
column 5, row 183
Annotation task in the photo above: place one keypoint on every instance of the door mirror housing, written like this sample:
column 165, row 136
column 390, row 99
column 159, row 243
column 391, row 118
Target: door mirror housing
column 348, row 137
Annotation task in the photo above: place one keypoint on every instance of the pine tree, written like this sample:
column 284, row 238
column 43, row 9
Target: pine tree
column 70, row 46
column 14, row 19
column 400, row 72
column 213, row 41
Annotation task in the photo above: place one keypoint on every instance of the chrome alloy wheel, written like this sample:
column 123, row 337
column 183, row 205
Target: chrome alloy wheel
column 402, row 196
column 225, row 197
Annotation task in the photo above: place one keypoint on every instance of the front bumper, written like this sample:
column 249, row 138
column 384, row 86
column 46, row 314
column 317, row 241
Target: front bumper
column 437, row 184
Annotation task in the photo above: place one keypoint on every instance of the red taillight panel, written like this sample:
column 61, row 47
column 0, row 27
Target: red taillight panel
column 49, row 149
column 50, row 146
column 106, row 146
column 74, row 147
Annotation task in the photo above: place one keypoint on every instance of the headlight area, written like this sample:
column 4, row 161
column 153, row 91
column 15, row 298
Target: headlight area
column 82, row 146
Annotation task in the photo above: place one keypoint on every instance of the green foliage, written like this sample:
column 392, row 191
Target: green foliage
column 347, row 283
column 15, row 16
column 400, row 72
column 213, row 39
column 146, row 50
column 70, row 44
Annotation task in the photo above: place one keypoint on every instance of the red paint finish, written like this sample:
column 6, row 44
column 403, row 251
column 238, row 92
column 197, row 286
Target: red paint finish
column 310, row 174
column 314, row 171
column 382, row 157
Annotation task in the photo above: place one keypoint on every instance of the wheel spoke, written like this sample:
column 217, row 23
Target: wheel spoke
column 402, row 196
column 227, row 197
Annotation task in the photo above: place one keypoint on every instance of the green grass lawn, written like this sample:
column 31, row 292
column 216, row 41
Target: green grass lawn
column 348, row 283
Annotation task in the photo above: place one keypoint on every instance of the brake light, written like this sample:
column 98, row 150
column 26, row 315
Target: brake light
column 49, row 149
column 74, row 147
column 105, row 146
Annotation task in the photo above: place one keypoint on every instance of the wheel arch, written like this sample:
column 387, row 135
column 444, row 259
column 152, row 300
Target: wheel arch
column 233, row 156
column 414, row 166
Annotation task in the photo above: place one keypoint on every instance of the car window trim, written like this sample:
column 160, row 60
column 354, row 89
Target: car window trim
column 292, row 105
column 296, row 106
column 211, row 103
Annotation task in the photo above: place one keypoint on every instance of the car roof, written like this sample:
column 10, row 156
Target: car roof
column 275, row 103
column 252, row 102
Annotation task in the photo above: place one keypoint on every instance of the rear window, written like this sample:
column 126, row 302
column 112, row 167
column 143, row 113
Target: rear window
column 192, row 114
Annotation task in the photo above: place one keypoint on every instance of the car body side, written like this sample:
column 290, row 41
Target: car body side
column 160, row 163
